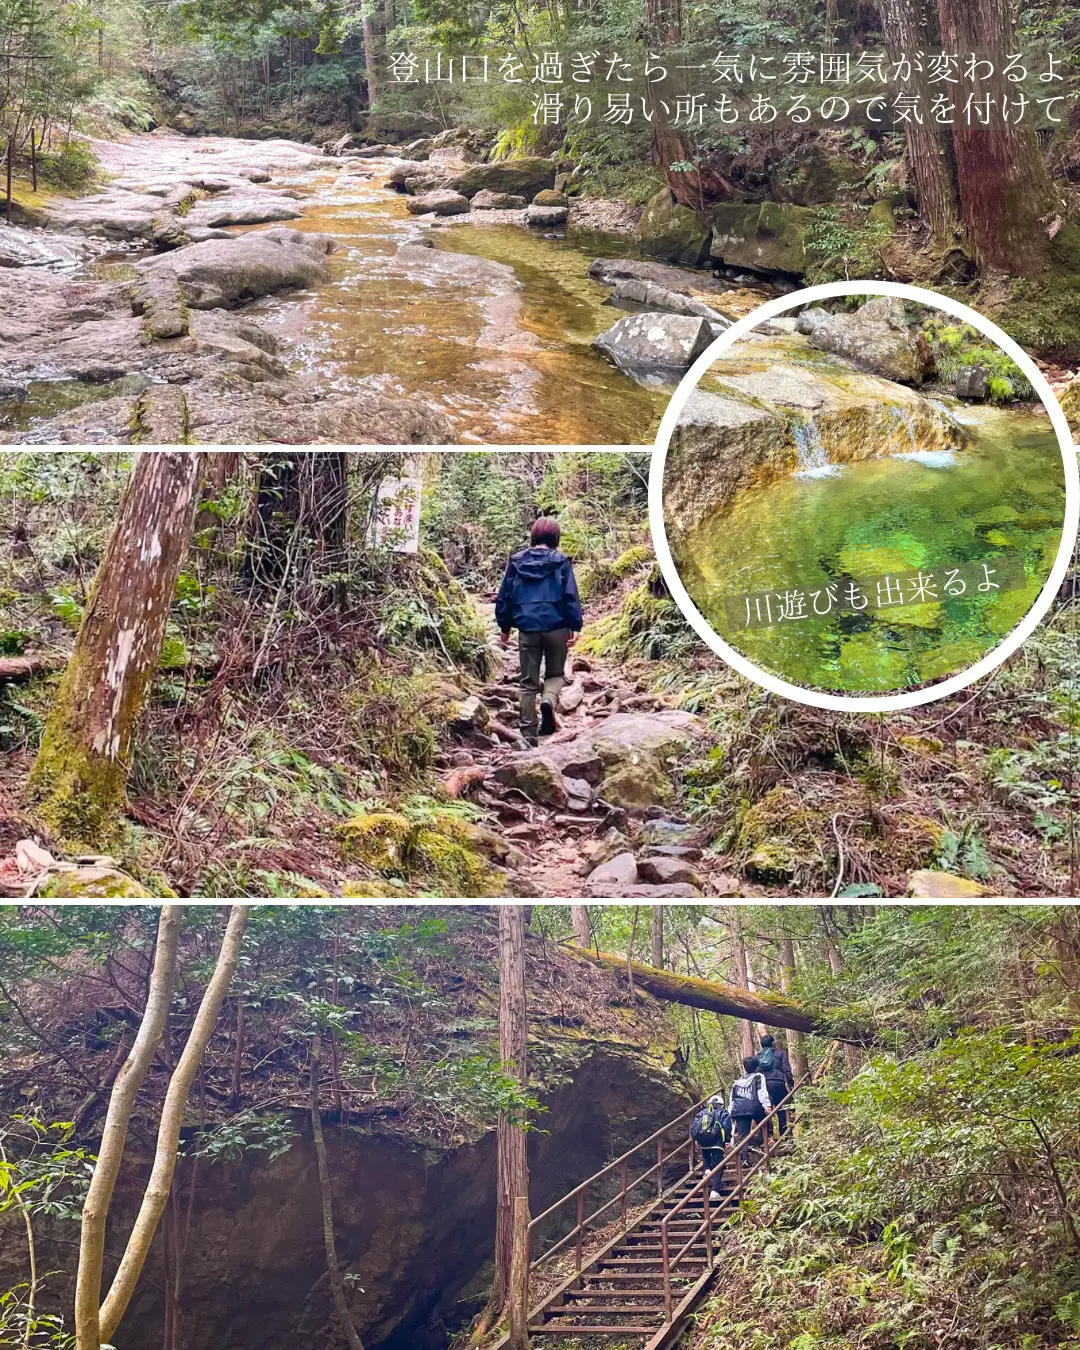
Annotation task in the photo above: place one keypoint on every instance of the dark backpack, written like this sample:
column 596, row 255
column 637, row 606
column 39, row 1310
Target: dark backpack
column 712, row 1126
column 767, row 1061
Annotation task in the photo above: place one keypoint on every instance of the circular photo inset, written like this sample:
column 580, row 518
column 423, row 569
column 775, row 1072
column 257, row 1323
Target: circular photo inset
column 864, row 496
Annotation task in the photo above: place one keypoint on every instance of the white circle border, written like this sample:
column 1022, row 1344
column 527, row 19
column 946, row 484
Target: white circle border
column 819, row 698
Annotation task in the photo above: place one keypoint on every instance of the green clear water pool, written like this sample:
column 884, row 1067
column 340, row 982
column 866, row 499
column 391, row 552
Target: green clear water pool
column 1000, row 500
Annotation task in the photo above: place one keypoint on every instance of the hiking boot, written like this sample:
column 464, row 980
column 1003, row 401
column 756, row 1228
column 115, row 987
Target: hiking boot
column 547, row 719
column 531, row 741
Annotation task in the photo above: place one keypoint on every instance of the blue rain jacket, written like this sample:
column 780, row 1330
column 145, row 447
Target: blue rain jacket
column 538, row 593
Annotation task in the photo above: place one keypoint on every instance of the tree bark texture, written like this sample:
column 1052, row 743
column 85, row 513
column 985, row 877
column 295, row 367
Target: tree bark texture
column 513, row 1168
column 79, row 780
column 125, row 1088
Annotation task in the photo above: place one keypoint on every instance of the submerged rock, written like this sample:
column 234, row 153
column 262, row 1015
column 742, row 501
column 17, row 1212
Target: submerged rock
column 653, row 297
column 610, row 271
column 645, row 342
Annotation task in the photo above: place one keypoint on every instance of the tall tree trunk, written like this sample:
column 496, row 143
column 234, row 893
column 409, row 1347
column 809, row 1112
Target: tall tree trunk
column 1005, row 191
column 657, row 937
column 88, row 1334
column 579, row 917
column 511, row 1147
column 156, row 1195
column 908, row 28
column 742, row 977
column 79, row 780
column 796, row 1040
column 836, row 965
column 302, row 511
column 333, row 1268
column 370, row 54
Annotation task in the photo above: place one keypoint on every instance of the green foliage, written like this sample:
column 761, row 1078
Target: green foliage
column 841, row 247
column 649, row 625
column 957, row 345
column 249, row 1132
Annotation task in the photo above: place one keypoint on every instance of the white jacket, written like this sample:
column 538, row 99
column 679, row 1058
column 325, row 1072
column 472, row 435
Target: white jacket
column 747, row 1083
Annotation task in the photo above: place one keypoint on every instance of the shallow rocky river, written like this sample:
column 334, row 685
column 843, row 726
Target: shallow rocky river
column 821, row 476
column 490, row 330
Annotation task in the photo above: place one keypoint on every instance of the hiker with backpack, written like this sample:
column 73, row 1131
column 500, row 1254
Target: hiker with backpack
column 711, row 1130
column 539, row 597
column 749, row 1103
column 779, row 1080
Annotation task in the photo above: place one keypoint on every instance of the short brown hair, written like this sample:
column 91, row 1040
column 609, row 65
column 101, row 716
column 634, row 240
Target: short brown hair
column 545, row 531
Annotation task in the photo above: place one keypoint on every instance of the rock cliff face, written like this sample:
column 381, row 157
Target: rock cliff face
column 414, row 1223
column 765, row 411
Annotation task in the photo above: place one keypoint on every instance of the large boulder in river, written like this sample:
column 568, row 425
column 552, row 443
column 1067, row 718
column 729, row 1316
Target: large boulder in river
column 440, row 203
column 763, row 236
column 546, row 217
column 401, row 126
column 876, row 337
column 642, row 343
column 673, row 232
column 524, row 177
column 220, row 274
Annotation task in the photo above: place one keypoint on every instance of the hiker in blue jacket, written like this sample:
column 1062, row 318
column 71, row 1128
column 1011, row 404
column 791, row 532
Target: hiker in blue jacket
column 539, row 597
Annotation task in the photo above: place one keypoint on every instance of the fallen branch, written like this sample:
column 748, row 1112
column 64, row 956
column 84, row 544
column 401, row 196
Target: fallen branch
column 772, row 1009
column 26, row 667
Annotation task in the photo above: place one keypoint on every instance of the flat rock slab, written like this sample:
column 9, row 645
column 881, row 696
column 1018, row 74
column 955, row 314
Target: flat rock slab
column 498, row 201
column 268, row 206
column 220, row 274
column 546, row 217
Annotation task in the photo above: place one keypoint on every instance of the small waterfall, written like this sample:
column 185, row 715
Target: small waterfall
column 813, row 458
column 932, row 459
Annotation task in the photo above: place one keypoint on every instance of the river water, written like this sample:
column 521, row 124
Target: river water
column 1000, row 499
column 511, row 368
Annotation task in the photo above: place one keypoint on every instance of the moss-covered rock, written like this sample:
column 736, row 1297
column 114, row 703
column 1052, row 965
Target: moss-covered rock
column 762, row 236
column 1070, row 406
column 1043, row 313
column 378, row 839
column 91, row 883
column 673, row 232
column 810, row 176
column 637, row 784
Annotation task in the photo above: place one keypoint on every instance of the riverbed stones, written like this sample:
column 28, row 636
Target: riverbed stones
column 633, row 292
column 610, row 271
column 673, row 232
column 763, row 236
column 440, row 203
column 223, row 274
column 498, row 201
column 21, row 247
column 809, row 319
column 651, row 342
column 971, row 382
column 546, row 217
column 159, row 300
column 524, row 177
column 875, row 337
column 549, row 197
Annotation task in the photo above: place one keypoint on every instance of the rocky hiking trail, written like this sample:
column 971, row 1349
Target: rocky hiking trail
column 590, row 812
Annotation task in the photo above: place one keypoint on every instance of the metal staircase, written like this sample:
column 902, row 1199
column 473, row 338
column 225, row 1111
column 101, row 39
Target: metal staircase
column 655, row 1238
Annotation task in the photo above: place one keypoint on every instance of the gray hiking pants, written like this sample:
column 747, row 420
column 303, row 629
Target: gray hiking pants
column 536, row 651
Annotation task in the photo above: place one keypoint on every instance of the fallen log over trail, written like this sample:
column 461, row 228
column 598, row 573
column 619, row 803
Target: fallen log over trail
column 26, row 667
column 772, row 1010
